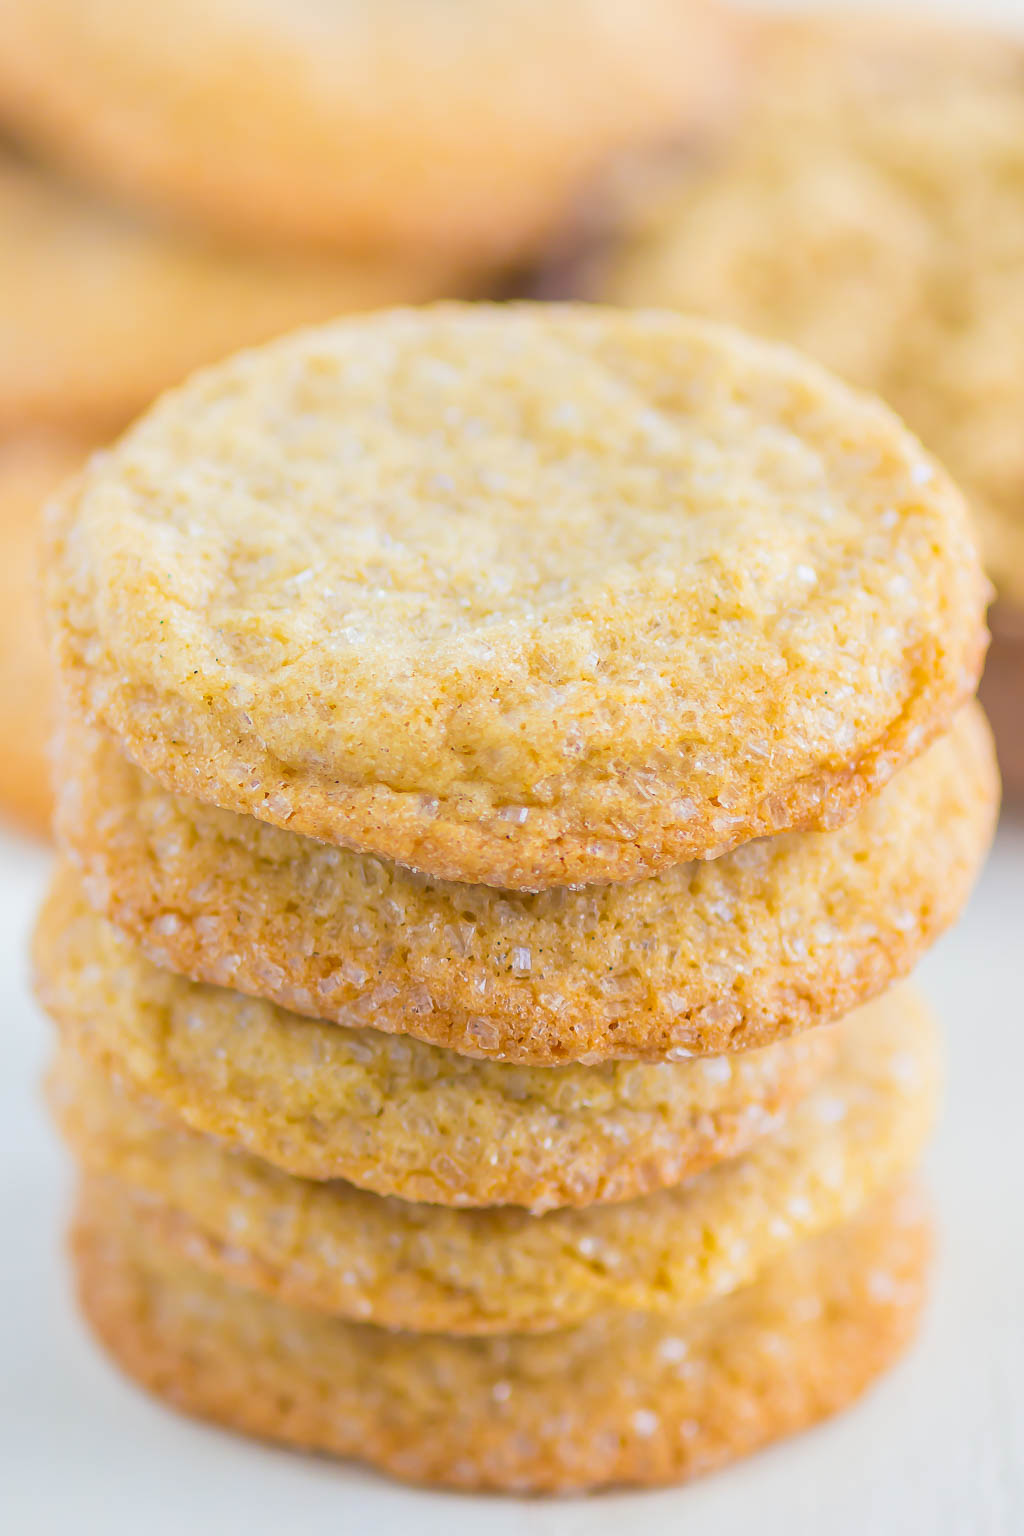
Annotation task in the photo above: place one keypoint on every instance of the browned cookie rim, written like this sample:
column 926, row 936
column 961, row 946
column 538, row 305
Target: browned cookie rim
column 235, row 917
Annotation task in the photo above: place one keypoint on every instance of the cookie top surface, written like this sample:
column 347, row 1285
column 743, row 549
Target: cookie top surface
column 892, row 159
column 370, row 124
column 714, row 955
column 523, row 596
column 390, row 1113
column 342, row 1250
column 99, row 310
column 32, row 465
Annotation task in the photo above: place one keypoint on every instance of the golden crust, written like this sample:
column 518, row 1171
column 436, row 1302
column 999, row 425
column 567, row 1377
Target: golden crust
column 892, row 158
column 710, row 956
column 389, row 1113
column 619, row 1400
column 32, row 465
column 335, row 1248
column 100, row 311
column 372, row 125
column 475, row 631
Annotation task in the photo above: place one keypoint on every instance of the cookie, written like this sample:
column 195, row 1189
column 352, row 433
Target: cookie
column 31, row 468
column 524, row 596
column 364, row 126
column 392, row 1114
column 892, row 157
column 621, row 1399
column 389, row 1113
column 335, row 1248
column 710, row 956
column 99, row 311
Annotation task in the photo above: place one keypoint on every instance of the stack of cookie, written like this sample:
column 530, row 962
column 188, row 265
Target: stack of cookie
column 249, row 168
column 506, row 755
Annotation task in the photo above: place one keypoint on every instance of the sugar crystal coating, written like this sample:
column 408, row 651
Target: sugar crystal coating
column 711, row 956
column 330, row 1246
column 388, row 1112
column 571, row 1409
column 615, row 637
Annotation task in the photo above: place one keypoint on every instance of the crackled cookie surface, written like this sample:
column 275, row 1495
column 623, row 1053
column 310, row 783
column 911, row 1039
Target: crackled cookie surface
column 339, row 1249
column 99, row 311
column 709, row 956
column 869, row 210
column 388, row 1112
column 524, row 596
column 372, row 124
column 623, row 1398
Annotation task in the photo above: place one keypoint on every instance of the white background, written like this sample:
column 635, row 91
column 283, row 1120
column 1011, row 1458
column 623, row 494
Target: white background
column 936, row 1450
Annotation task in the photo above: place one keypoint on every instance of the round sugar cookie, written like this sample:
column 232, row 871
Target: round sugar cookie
column 868, row 209
column 100, row 311
column 389, row 1113
column 338, row 1249
column 524, row 595
column 373, row 124
column 637, row 1398
column 711, row 956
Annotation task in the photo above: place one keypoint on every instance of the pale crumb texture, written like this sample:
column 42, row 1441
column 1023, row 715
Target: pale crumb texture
column 869, row 210
column 524, row 596
column 622, row 1399
column 32, row 466
column 390, row 1113
column 335, row 1248
column 368, row 125
column 99, row 311
column 710, row 956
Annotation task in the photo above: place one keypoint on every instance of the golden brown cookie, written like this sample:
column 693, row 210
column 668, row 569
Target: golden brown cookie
column 522, row 595
column 338, row 1249
column 31, row 468
column 710, row 956
column 380, row 123
column 870, row 210
column 99, row 311
column 389, row 1113
column 623, row 1398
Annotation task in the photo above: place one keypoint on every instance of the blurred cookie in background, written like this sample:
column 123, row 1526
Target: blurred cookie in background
column 379, row 124
column 31, row 466
column 868, row 208
column 100, row 311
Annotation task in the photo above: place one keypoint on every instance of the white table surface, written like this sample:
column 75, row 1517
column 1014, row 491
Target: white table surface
column 936, row 1450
